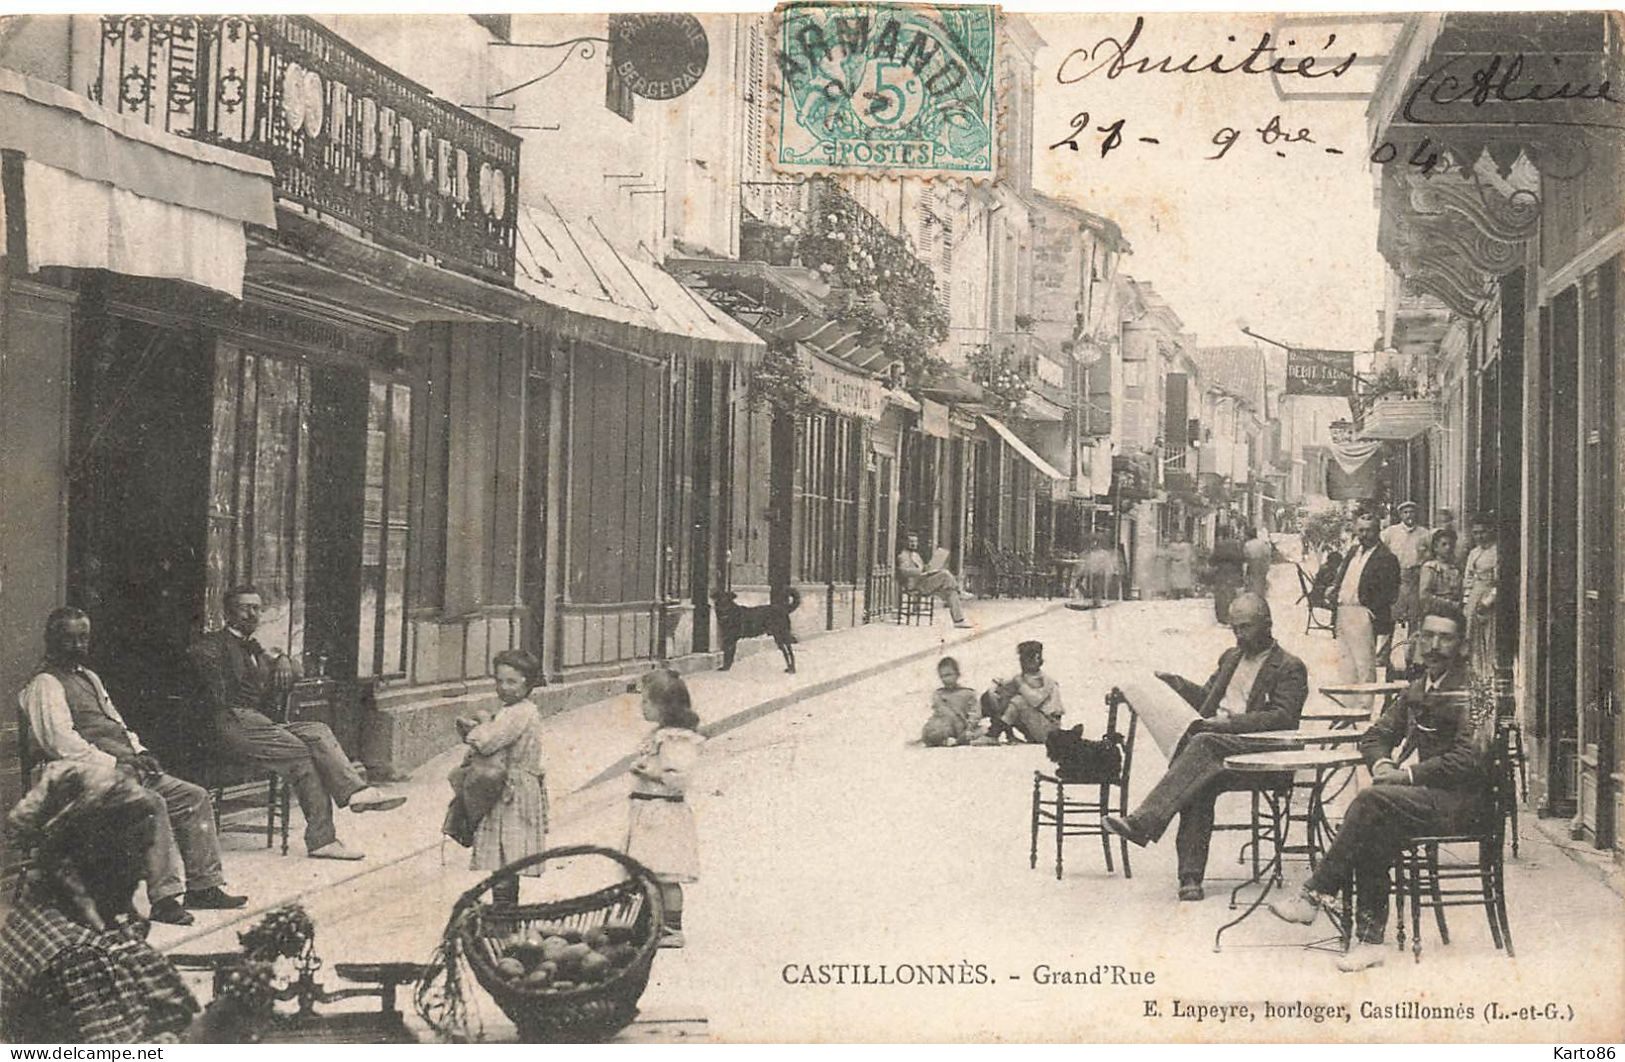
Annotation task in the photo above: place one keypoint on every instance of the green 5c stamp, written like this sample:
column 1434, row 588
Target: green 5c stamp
column 890, row 88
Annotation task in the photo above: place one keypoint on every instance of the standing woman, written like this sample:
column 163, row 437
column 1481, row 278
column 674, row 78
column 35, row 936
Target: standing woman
column 660, row 828
column 516, row 825
column 1479, row 583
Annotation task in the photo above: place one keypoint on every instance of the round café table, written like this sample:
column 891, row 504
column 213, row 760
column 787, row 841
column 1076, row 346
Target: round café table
column 1322, row 763
column 1300, row 738
column 1339, row 717
column 1385, row 690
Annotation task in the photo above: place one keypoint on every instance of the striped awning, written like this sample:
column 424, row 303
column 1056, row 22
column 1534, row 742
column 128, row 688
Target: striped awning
column 1401, row 419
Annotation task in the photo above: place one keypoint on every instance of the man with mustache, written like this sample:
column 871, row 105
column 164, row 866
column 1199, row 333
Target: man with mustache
column 71, row 717
column 1440, row 791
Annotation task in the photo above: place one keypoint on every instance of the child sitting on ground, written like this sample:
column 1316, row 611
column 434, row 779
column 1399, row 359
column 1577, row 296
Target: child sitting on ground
column 953, row 710
column 1027, row 706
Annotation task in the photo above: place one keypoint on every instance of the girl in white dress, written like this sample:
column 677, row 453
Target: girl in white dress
column 660, row 831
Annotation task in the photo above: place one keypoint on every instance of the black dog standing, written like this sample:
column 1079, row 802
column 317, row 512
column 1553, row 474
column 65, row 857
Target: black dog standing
column 737, row 621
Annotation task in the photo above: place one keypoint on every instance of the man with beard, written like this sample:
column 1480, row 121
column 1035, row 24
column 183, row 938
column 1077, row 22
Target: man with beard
column 1439, row 792
column 245, row 684
column 71, row 717
column 1257, row 686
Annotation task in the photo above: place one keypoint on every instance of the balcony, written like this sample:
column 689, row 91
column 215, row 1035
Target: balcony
column 348, row 137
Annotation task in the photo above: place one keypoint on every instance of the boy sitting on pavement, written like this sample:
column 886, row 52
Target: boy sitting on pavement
column 1028, row 705
column 954, row 718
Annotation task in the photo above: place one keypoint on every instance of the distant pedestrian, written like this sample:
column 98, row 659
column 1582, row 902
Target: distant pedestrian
column 660, row 828
column 1258, row 555
column 504, row 788
column 1226, row 562
column 954, row 718
column 1480, row 581
column 1367, row 587
column 1407, row 540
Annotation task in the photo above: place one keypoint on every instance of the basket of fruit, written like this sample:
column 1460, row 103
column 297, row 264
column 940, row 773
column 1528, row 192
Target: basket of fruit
column 563, row 970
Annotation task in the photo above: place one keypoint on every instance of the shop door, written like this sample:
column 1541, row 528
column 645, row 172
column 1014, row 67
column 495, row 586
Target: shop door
column 1562, row 548
column 703, row 450
column 1596, row 654
column 139, row 486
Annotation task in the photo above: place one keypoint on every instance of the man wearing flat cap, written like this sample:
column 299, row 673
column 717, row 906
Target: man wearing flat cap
column 1408, row 542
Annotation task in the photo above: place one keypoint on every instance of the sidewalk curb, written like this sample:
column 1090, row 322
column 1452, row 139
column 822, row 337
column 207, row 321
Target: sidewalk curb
column 1596, row 861
column 720, row 726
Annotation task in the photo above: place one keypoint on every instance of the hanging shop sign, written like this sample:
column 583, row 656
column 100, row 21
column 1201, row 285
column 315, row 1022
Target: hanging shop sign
column 934, row 418
column 1328, row 373
column 845, row 392
column 658, row 55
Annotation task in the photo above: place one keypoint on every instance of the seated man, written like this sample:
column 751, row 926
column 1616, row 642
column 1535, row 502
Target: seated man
column 1441, row 792
column 1028, row 705
column 72, row 718
column 915, row 576
column 242, row 682
column 1257, row 686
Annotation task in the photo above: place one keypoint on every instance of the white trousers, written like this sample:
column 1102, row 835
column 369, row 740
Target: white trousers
column 1357, row 643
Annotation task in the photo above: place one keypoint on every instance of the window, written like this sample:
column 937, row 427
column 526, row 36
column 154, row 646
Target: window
column 829, row 476
column 385, row 529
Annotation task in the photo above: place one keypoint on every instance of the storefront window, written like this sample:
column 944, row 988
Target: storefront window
column 386, row 493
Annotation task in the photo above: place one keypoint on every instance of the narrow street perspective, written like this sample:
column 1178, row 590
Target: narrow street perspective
column 852, row 521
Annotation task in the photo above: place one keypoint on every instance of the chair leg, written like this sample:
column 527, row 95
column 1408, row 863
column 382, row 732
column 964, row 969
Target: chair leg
column 287, row 814
column 1486, row 883
column 1400, row 885
column 270, row 810
column 1438, row 899
column 1501, row 908
column 1128, row 871
column 1032, row 854
column 1414, row 875
column 1512, row 811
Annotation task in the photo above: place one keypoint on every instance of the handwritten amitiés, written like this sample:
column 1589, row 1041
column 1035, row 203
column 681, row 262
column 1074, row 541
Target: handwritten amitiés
column 1116, row 58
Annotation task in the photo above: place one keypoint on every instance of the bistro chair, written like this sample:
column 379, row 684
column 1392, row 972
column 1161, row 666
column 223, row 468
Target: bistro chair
column 235, row 783
column 1427, row 880
column 914, row 607
column 1270, row 799
column 1309, row 598
column 1082, row 815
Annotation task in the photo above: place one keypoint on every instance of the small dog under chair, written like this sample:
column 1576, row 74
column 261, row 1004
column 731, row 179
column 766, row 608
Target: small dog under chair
column 737, row 621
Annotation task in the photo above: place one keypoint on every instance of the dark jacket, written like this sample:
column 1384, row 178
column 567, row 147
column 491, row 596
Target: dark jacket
column 1452, row 748
column 229, row 678
column 1379, row 586
column 1275, row 702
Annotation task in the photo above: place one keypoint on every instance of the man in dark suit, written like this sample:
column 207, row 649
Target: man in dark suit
column 1363, row 602
column 1257, row 686
column 244, row 684
column 1440, row 791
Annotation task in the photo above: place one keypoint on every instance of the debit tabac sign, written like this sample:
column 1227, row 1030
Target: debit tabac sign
column 1328, row 373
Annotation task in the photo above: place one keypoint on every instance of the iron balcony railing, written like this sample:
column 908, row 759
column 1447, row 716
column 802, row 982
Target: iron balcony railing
column 346, row 136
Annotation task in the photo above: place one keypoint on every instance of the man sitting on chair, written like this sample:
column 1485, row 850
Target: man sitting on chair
column 244, row 684
column 1257, row 686
column 1440, row 792
column 919, row 578
column 71, row 717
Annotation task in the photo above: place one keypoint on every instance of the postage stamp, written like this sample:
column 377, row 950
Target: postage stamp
column 886, row 88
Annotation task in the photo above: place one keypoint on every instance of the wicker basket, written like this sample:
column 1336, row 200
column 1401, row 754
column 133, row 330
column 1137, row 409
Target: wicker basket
column 589, row 1011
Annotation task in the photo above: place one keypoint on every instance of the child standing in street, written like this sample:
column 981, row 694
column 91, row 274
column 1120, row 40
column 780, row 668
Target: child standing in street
column 660, row 830
column 508, row 812
column 954, row 715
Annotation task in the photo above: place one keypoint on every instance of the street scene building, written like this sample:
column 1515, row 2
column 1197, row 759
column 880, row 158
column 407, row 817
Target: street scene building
column 509, row 348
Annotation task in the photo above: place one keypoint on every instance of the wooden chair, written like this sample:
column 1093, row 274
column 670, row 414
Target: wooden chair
column 232, row 782
column 1308, row 597
column 1072, row 816
column 914, row 607
column 1426, row 880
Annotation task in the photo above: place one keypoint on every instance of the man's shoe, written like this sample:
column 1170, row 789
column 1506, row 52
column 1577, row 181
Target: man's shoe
column 1363, row 956
column 214, row 899
column 170, row 912
column 963, row 625
column 373, row 799
column 1125, row 829
column 1301, row 907
column 671, row 938
column 1191, row 891
column 335, row 850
